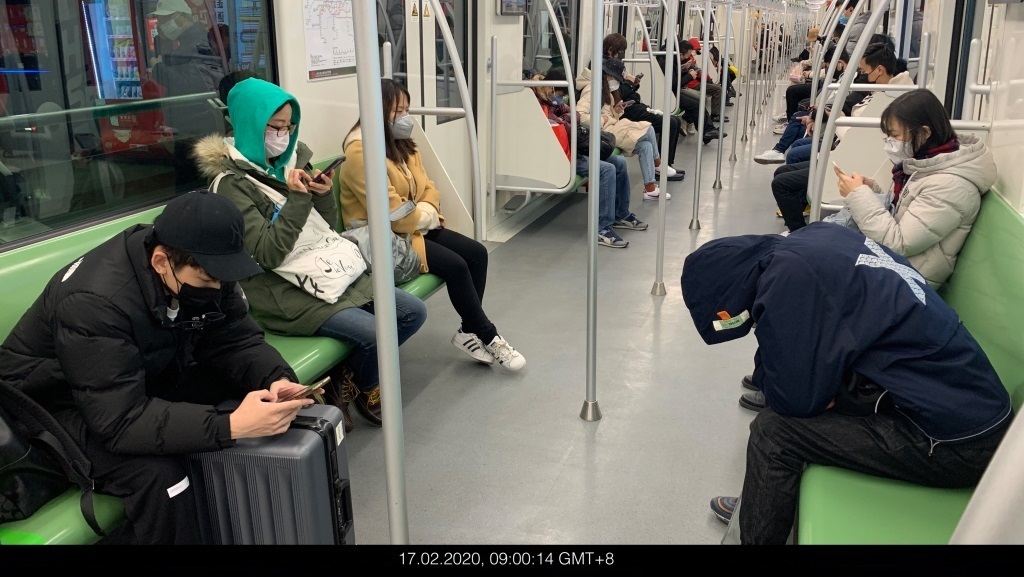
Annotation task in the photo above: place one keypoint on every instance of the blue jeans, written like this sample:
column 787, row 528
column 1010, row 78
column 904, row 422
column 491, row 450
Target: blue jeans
column 356, row 325
column 647, row 149
column 800, row 151
column 614, row 201
column 794, row 130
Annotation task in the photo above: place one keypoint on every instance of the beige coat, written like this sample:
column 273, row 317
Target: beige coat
column 627, row 132
column 936, row 210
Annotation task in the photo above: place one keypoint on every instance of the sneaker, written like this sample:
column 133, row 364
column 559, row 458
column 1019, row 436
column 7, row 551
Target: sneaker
column 506, row 356
column 771, row 156
column 656, row 194
column 723, row 508
column 753, row 401
column 780, row 117
column 607, row 237
column 673, row 174
column 779, row 129
column 631, row 222
column 690, row 129
column 471, row 344
column 748, row 383
column 368, row 405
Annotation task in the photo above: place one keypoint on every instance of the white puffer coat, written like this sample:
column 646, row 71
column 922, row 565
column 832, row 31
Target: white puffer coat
column 627, row 132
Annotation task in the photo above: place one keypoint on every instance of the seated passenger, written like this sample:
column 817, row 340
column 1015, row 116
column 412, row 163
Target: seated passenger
column 615, row 45
column 460, row 261
column 630, row 137
column 688, row 64
column 938, row 179
column 789, row 186
column 130, row 348
column 861, row 363
column 266, row 153
column 613, row 211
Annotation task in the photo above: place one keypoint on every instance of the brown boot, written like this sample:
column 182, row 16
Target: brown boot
column 368, row 405
column 340, row 396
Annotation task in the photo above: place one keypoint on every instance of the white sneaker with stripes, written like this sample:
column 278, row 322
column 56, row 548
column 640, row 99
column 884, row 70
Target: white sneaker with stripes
column 471, row 344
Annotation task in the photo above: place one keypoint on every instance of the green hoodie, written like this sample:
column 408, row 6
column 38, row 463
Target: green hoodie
column 251, row 103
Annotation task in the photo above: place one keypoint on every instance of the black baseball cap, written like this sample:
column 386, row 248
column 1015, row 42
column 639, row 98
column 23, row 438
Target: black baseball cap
column 614, row 67
column 210, row 228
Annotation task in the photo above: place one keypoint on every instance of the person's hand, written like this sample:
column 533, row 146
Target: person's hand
column 693, row 73
column 869, row 182
column 629, row 78
column 620, row 106
column 260, row 416
column 848, row 183
column 297, row 180
column 319, row 188
column 283, row 388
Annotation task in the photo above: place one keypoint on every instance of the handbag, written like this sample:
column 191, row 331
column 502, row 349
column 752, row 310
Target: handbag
column 583, row 142
column 321, row 262
column 796, row 74
column 406, row 259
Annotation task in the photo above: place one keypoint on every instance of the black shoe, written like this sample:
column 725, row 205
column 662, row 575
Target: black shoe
column 679, row 175
column 717, row 118
column 712, row 135
column 753, row 401
column 728, row 103
column 368, row 405
column 748, row 383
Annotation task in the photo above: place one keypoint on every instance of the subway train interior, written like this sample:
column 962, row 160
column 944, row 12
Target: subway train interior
column 581, row 399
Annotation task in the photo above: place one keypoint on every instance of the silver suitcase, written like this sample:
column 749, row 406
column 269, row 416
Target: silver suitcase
column 292, row 488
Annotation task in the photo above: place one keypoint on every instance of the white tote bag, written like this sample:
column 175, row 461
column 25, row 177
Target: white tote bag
column 322, row 263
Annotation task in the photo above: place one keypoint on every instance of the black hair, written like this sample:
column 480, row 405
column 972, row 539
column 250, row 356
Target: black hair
column 852, row 4
column 398, row 150
column 915, row 110
column 884, row 39
column 614, row 43
column 230, row 80
column 879, row 54
column 844, row 55
column 685, row 46
column 179, row 258
column 839, row 30
column 557, row 73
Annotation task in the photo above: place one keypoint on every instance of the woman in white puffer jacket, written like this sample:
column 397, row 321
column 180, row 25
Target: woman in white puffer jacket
column 938, row 181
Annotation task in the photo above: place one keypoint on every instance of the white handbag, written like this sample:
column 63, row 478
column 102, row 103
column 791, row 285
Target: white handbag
column 322, row 263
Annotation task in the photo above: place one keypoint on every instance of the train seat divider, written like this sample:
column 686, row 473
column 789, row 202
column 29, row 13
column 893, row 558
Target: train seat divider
column 23, row 274
column 839, row 506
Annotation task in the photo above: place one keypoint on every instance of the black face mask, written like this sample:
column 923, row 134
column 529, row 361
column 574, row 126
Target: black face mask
column 199, row 305
column 861, row 78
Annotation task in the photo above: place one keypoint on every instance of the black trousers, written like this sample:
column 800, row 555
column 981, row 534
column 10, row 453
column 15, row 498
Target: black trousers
column 644, row 114
column 790, row 190
column 884, row 444
column 794, row 94
column 462, row 263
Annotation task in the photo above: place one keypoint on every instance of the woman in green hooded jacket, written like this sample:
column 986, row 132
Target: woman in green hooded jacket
column 265, row 147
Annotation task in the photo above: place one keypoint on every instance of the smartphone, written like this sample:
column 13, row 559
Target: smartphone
column 839, row 170
column 639, row 76
column 327, row 170
column 627, row 103
column 306, row 391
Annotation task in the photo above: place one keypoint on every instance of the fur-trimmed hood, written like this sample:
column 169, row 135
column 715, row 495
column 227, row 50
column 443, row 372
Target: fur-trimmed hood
column 215, row 154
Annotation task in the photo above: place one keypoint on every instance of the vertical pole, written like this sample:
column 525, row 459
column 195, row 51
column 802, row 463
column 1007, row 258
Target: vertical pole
column 694, row 220
column 492, row 172
column 591, row 410
column 386, row 60
column 371, row 119
column 925, row 61
column 748, row 70
column 723, row 65
column 671, row 61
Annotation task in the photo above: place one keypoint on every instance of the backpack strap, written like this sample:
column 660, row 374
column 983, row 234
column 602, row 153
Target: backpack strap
column 43, row 427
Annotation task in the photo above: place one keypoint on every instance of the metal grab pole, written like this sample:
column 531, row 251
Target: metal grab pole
column 634, row 11
column 695, row 220
column 591, row 410
column 671, row 60
column 973, row 65
column 749, row 68
column 723, row 60
column 371, row 119
column 818, row 172
column 819, row 56
column 467, row 103
column 817, row 138
column 925, row 62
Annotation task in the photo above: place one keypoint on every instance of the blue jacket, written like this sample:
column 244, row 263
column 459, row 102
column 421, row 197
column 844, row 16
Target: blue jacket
column 825, row 301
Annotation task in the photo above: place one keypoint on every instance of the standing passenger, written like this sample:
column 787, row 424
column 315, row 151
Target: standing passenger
column 460, row 261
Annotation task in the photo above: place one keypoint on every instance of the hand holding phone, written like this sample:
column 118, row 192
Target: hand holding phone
column 838, row 170
column 306, row 391
column 322, row 178
column 627, row 103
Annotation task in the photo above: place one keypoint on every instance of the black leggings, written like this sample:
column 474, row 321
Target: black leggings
column 794, row 94
column 790, row 190
column 462, row 263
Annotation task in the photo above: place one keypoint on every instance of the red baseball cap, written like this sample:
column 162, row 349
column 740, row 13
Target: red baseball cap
column 695, row 42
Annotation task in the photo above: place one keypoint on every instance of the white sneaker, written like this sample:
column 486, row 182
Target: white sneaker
column 780, row 117
column 471, row 344
column 771, row 156
column 779, row 129
column 656, row 194
column 691, row 129
column 506, row 356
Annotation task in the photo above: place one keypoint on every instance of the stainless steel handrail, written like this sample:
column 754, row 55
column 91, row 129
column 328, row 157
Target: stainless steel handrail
column 694, row 219
column 670, row 61
column 723, row 69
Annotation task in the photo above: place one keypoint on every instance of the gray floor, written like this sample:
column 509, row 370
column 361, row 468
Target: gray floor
column 493, row 457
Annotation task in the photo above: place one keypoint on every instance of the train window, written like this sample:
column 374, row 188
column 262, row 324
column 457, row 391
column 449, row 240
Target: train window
column 540, row 45
column 448, row 96
column 100, row 105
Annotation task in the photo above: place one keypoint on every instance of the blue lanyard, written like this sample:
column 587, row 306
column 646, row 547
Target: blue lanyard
column 277, row 211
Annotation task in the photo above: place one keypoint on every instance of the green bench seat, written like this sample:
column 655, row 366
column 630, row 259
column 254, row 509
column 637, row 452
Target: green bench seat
column 838, row 506
column 23, row 274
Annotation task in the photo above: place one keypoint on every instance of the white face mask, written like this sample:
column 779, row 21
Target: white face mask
column 170, row 29
column 276, row 145
column 613, row 85
column 401, row 127
column 897, row 150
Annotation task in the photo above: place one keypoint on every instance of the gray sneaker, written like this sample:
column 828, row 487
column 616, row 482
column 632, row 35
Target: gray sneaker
column 607, row 237
column 631, row 222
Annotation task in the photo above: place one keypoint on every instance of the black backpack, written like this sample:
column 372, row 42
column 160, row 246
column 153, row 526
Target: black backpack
column 38, row 460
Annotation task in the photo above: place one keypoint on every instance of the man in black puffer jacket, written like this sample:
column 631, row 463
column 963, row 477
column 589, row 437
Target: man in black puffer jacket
column 132, row 345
